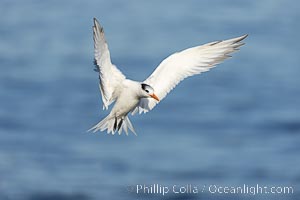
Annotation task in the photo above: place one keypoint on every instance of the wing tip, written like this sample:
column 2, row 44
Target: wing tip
column 95, row 21
column 234, row 40
column 97, row 25
column 242, row 37
column 246, row 35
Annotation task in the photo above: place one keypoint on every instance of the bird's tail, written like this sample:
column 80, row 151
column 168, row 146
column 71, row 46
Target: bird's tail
column 113, row 125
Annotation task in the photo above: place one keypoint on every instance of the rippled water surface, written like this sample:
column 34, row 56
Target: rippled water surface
column 238, row 124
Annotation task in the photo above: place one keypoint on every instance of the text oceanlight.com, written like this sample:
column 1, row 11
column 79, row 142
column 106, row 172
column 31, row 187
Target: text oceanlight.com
column 159, row 189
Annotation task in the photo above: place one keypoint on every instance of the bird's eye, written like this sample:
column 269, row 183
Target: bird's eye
column 147, row 88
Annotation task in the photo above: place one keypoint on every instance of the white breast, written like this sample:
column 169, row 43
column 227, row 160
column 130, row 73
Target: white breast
column 128, row 98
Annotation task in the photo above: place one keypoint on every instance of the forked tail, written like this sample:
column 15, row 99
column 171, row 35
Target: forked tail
column 113, row 125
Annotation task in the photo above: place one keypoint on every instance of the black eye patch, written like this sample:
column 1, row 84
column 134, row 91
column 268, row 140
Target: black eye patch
column 144, row 86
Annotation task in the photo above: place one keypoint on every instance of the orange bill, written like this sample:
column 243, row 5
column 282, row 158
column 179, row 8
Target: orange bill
column 154, row 97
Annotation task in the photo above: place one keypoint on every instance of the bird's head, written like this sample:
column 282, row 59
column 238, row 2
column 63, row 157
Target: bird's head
column 148, row 92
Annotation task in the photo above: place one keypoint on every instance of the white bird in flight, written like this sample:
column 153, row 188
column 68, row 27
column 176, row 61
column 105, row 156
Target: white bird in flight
column 141, row 97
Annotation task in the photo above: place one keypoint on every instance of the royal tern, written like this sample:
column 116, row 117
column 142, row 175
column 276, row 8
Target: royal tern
column 141, row 97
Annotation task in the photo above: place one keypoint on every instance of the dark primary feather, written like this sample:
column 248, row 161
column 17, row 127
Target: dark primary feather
column 96, row 69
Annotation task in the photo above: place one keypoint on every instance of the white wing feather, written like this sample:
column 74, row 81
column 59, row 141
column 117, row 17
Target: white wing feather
column 181, row 65
column 109, row 75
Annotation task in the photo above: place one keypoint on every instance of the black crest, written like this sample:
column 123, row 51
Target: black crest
column 144, row 86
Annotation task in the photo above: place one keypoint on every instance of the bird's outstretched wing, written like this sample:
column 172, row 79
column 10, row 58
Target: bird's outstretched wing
column 109, row 75
column 181, row 65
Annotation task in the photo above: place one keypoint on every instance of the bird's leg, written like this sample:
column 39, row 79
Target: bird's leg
column 115, row 124
column 120, row 124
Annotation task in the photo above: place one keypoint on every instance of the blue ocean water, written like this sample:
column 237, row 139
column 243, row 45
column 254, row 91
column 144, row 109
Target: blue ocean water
column 238, row 124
